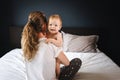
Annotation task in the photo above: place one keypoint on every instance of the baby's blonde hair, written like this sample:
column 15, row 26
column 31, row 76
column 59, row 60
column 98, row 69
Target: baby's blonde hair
column 29, row 40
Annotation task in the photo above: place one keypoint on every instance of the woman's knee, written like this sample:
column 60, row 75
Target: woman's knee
column 76, row 62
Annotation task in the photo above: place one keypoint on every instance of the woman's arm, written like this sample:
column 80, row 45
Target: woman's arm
column 57, row 67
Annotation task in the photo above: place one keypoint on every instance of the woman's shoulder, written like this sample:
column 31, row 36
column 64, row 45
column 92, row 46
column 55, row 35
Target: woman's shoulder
column 42, row 39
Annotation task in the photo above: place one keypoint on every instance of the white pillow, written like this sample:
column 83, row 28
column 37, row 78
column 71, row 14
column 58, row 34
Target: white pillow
column 76, row 43
column 66, row 40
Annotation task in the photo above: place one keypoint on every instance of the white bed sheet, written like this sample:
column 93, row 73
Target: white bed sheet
column 95, row 66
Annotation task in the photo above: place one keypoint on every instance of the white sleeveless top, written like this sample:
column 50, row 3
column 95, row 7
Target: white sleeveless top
column 42, row 67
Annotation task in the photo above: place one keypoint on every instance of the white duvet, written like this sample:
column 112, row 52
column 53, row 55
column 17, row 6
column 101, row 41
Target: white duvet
column 12, row 66
column 95, row 66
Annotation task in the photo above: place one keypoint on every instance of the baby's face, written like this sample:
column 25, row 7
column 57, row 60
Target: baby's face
column 54, row 25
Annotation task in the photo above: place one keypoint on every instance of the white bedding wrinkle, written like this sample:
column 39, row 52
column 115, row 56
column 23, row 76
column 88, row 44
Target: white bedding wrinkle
column 95, row 66
column 12, row 66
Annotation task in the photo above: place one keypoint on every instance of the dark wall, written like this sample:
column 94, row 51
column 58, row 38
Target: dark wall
column 5, row 22
column 72, row 13
column 101, row 14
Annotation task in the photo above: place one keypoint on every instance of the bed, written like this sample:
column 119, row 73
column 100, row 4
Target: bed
column 96, row 65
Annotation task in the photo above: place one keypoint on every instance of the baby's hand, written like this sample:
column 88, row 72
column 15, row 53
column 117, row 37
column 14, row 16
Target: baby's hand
column 48, row 41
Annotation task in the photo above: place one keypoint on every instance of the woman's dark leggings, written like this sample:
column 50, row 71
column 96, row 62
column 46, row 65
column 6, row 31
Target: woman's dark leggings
column 68, row 72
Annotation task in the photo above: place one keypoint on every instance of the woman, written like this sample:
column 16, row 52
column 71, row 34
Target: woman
column 40, row 57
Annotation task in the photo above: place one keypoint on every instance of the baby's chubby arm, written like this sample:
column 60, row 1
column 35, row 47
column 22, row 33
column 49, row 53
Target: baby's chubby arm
column 57, row 42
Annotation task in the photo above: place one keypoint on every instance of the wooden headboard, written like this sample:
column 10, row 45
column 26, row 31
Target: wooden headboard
column 81, row 31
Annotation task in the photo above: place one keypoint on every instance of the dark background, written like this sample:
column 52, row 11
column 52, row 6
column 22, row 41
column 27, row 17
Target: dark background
column 100, row 14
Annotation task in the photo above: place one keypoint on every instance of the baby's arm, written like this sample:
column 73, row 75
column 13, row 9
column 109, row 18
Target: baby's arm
column 57, row 42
